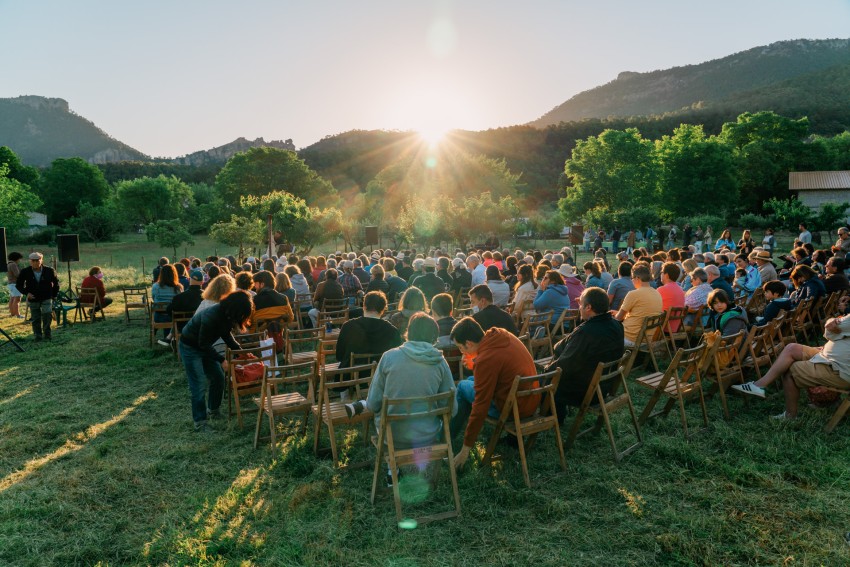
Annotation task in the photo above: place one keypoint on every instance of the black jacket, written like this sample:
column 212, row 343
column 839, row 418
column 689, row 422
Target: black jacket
column 45, row 290
column 492, row 316
column 430, row 285
column 365, row 335
column 187, row 301
column 206, row 328
column 599, row 339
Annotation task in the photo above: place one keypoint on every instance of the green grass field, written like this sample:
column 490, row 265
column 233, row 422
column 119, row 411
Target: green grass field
column 99, row 465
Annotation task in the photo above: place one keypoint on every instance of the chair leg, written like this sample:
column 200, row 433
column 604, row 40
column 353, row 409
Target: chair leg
column 317, row 429
column 451, row 458
column 610, row 431
column 683, row 415
column 257, row 429
column 560, row 444
column 650, row 405
column 332, row 435
column 838, row 415
column 272, row 430
column 379, row 454
column 576, row 426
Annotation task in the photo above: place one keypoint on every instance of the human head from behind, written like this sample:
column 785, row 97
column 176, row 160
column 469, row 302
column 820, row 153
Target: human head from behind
column 801, row 274
column 96, row 272
column 219, row 287
column 493, row 273
column 374, row 303
column 641, row 275
column 466, row 335
column 412, row 300
column 698, row 277
column 377, row 272
column 196, row 277
column 591, row 270
column 237, row 308
column 168, row 276
column 244, row 281
column 281, row 282
column 422, row 328
column 441, row 305
column 670, row 273
column 593, row 301
column 331, row 274
column 712, row 272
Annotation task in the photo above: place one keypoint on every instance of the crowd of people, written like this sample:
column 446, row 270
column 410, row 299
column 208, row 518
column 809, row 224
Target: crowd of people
column 402, row 311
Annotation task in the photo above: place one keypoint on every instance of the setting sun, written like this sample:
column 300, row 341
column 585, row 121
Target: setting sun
column 433, row 135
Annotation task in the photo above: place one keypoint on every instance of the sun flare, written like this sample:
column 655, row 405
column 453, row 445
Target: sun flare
column 432, row 135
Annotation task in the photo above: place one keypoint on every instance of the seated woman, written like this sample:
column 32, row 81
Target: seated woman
column 378, row 283
column 802, row 366
column 284, row 286
column 95, row 281
column 594, row 275
column 807, row 283
column 162, row 292
column 526, row 289
column 441, row 311
column 501, row 290
column 414, row 370
column 552, row 294
column 412, row 302
column 725, row 316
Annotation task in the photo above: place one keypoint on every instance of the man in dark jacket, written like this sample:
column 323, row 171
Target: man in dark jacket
column 429, row 283
column 488, row 315
column 368, row 334
column 188, row 301
column 40, row 286
column 443, row 270
column 598, row 339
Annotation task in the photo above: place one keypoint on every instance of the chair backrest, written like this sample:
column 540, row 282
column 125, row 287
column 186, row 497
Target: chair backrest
column 534, row 320
column 251, row 338
column 135, row 295
column 728, row 354
column 675, row 314
column 434, row 406
column 179, row 320
column 607, row 371
column 277, row 378
column 567, row 322
column 686, row 364
column 336, row 318
column 333, row 304
column 462, row 298
column 327, row 349
column 88, row 297
column 544, row 385
column 696, row 327
column 357, row 377
column 653, row 327
column 242, row 357
column 357, row 359
column 757, row 302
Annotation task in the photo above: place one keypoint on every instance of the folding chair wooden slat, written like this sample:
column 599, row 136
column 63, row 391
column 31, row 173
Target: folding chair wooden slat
column 437, row 407
column 237, row 359
column 274, row 400
column 88, row 305
column 136, row 298
column 544, row 418
column 606, row 405
column 726, row 366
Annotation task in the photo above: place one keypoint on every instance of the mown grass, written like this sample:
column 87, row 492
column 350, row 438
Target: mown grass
column 99, row 464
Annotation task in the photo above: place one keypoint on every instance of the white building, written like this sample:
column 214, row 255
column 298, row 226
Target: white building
column 814, row 188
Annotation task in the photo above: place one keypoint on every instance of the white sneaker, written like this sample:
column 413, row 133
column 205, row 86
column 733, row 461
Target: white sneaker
column 749, row 388
column 782, row 416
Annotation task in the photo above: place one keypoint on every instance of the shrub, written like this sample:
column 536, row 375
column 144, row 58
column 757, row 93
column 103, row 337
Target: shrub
column 757, row 222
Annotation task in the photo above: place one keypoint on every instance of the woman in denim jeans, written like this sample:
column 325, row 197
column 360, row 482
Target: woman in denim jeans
column 202, row 362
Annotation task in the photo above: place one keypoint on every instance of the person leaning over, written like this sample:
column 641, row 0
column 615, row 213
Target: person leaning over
column 203, row 364
column 499, row 357
column 40, row 286
column 598, row 339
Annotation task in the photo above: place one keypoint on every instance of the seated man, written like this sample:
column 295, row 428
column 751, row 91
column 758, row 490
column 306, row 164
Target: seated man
column 639, row 304
column 368, row 334
column 488, row 315
column 717, row 282
column 441, row 311
column 430, row 283
column 671, row 292
column 774, row 292
column 835, row 279
column 598, row 339
column 802, row 366
column 268, row 303
column 499, row 357
column 189, row 300
column 95, row 281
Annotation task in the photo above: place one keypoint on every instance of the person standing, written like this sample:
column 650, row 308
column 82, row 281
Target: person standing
column 40, row 285
column 615, row 242
column 805, row 236
column 13, row 270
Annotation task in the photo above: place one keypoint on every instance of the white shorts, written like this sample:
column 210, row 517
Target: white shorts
column 13, row 291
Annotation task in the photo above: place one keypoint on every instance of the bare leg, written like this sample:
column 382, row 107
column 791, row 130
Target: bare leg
column 14, row 306
column 789, row 355
column 792, row 395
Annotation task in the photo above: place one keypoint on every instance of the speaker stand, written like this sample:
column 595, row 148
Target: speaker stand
column 9, row 340
column 70, row 292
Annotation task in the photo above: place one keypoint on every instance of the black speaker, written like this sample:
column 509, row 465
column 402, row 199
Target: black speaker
column 3, row 245
column 69, row 247
column 371, row 235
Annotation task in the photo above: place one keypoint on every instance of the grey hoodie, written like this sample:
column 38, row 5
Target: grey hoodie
column 413, row 370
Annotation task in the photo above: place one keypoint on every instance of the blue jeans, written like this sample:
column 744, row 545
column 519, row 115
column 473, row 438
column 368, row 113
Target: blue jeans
column 465, row 396
column 200, row 368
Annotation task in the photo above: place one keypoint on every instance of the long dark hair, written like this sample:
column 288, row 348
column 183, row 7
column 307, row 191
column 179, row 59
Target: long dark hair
column 525, row 275
column 168, row 277
column 237, row 307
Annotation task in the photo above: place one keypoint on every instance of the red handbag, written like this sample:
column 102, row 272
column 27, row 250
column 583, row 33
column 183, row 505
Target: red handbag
column 248, row 372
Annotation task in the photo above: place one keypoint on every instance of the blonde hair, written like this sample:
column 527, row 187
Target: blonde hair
column 220, row 287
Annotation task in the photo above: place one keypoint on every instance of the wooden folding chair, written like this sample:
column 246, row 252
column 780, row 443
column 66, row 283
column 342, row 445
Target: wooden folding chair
column 327, row 350
column 237, row 359
column 604, row 406
column 302, row 345
column 544, row 418
column 726, row 367
column 282, row 393
column 335, row 319
column 840, row 411
column 681, row 380
column 136, row 298
column 517, row 311
column 332, row 414
column 536, row 326
column 158, row 307
column 454, row 358
column 757, row 348
column 88, row 305
column 178, row 321
column 566, row 323
column 676, row 315
column 802, row 324
column 251, row 340
column 756, row 304
column 696, row 327
column 437, row 407
column 654, row 338
column 462, row 300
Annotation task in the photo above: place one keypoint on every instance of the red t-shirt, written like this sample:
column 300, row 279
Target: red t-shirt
column 672, row 295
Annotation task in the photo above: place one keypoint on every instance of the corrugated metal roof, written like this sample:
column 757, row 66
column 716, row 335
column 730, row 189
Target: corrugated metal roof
column 802, row 180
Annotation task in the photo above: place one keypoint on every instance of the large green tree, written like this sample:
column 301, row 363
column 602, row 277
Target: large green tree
column 260, row 171
column 693, row 167
column 97, row 223
column 16, row 200
column 766, row 146
column 150, row 199
column 614, row 170
column 301, row 224
column 17, row 170
column 66, row 184
column 169, row 234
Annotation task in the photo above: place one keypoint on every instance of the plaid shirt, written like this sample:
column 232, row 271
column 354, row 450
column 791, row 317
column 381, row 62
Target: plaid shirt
column 350, row 284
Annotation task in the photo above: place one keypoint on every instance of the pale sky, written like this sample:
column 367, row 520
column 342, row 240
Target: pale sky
column 173, row 77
